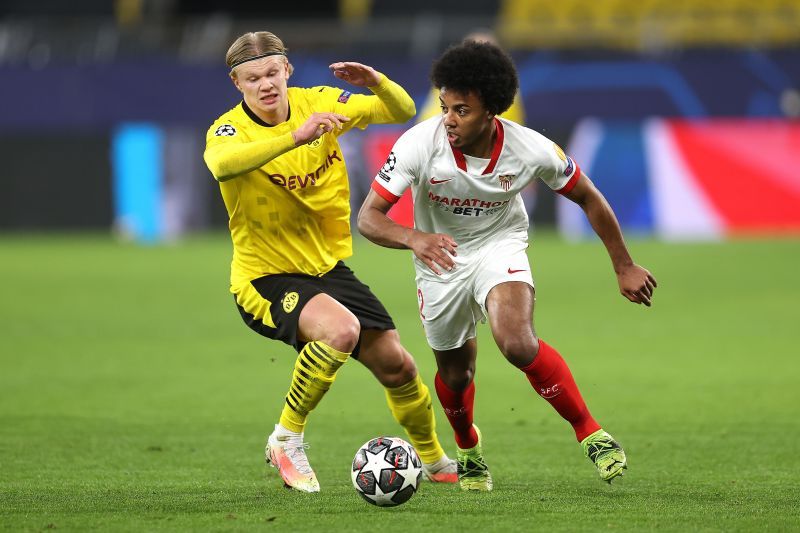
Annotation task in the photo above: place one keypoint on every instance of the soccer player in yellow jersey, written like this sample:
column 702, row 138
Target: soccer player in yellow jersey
column 284, row 183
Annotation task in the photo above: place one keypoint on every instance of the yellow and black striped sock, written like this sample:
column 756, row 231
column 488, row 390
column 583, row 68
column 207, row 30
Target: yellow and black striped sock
column 314, row 372
column 411, row 407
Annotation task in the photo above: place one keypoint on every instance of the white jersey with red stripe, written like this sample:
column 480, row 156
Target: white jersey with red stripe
column 476, row 201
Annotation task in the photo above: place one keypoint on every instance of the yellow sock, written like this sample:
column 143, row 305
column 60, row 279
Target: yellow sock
column 314, row 372
column 411, row 407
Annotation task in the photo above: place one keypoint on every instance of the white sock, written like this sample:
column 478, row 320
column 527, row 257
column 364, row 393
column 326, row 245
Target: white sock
column 284, row 434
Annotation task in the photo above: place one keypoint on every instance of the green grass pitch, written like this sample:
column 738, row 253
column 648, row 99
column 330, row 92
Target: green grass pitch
column 132, row 396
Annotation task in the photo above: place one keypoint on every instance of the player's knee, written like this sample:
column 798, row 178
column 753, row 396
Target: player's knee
column 519, row 351
column 457, row 379
column 344, row 335
column 396, row 367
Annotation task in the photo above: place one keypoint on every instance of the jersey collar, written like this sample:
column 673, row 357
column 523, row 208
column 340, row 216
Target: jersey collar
column 461, row 161
column 255, row 118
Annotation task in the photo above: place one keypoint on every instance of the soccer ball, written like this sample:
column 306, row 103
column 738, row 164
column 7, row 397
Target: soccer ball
column 386, row 471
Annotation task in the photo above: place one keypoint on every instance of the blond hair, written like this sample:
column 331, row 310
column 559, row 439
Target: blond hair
column 253, row 45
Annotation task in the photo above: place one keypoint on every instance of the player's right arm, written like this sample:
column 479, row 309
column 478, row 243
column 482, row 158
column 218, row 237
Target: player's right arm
column 389, row 103
column 433, row 249
column 229, row 155
column 436, row 250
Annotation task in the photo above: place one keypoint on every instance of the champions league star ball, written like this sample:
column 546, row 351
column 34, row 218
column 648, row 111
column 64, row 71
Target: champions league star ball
column 386, row 471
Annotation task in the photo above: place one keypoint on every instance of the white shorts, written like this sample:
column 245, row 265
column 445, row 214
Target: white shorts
column 450, row 310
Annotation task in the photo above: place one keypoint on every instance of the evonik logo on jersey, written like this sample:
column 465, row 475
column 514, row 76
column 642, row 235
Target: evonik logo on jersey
column 311, row 178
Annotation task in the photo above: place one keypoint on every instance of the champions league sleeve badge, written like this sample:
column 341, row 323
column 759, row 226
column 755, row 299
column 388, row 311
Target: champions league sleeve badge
column 566, row 159
column 226, row 130
column 387, row 167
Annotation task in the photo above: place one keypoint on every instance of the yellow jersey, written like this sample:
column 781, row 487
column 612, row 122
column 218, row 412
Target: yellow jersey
column 292, row 213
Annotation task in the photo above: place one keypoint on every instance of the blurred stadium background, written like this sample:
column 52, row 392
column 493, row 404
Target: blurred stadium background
column 684, row 111
column 132, row 398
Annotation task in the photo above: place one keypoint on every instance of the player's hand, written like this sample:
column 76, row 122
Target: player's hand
column 316, row 125
column 637, row 284
column 356, row 73
column 434, row 249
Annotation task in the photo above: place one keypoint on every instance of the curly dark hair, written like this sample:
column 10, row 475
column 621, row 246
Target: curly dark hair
column 479, row 67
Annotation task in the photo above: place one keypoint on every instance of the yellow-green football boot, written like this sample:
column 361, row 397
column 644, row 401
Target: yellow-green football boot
column 473, row 474
column 606, row 454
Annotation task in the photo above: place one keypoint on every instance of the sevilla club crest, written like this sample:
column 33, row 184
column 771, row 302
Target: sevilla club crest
column 506, row 180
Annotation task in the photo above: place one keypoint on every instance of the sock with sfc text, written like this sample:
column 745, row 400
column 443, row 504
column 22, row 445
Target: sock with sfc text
column 553, row 381
column 458, row 407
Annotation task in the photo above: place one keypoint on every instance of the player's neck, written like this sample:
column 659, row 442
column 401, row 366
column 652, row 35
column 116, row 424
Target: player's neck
column 272, row 117
column 482, row 146
column 276, row 117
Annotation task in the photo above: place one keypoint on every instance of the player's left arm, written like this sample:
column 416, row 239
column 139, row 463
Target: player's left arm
column 635, row 282
column 390, row 103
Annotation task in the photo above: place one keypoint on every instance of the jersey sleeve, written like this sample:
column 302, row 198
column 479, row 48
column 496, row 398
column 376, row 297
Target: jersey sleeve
column 389, row 104
column 229, row 153
column 558, row 170
column 223, row 131
column 401, row 169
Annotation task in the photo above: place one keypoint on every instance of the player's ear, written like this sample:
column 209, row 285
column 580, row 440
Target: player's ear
column 289, row 69
column 235, row 81
column 489, row 114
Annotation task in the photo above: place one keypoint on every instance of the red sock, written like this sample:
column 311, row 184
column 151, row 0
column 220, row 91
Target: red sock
column 458, row 409
column 552, row 380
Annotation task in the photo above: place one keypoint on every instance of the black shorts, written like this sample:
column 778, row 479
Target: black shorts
column 271, row 305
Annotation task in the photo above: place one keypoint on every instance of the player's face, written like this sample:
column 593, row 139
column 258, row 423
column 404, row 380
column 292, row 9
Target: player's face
column 263, row 85
column 468, row 124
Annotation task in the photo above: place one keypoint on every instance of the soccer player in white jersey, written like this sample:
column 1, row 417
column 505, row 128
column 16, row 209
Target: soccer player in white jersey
column 466, row 169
